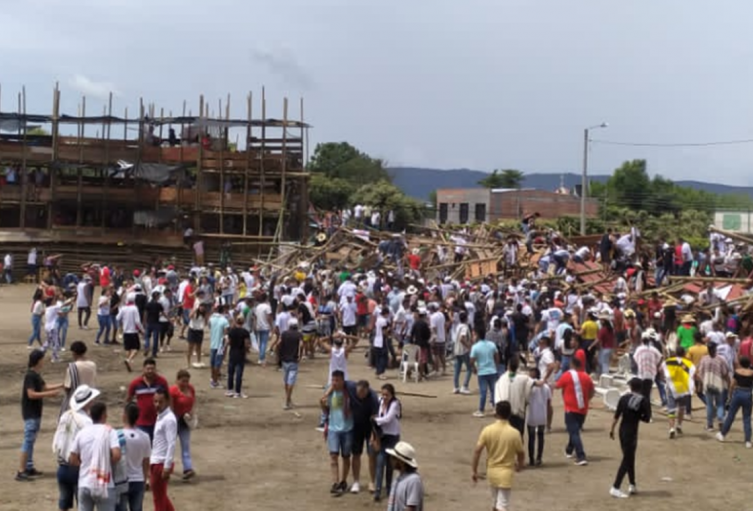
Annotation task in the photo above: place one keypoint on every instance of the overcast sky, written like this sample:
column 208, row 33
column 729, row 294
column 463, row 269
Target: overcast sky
column 480, row 84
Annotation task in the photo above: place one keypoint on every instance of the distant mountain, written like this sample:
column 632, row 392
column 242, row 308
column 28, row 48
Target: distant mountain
column 420, row 182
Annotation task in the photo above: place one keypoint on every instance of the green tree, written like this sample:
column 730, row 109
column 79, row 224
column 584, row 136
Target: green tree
column 330, row 193
column 37, row 131
column 508, row 178
column 343, row 161
column 385, row 196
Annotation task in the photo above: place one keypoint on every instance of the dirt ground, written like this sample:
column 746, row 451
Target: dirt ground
column 251, row 453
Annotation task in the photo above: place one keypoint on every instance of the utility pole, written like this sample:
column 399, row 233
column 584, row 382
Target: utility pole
column 584, row 177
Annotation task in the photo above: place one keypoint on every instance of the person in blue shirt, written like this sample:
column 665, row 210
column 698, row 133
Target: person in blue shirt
column 336, row 404
column 218, row 328
column 484, row 360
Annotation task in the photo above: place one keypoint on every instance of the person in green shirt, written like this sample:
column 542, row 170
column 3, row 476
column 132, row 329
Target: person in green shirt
column 686, row 332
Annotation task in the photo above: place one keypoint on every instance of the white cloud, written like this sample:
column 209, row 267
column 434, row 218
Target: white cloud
column 90, row 88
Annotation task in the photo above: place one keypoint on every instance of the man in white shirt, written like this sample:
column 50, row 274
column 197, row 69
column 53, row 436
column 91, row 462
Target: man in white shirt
column 85, row 454
column 8, row 268
column 687, row 257
column 31, row 262
column 263, row 325
column 129, row 318
column 439, row 337
column 138, row 450
column 349, row 315
column 163, row 450
column 84, row 296
column 51, row 315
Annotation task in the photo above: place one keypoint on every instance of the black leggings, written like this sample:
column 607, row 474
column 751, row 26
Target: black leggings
column 87, row 313
column 535, row 433
column 629, row 444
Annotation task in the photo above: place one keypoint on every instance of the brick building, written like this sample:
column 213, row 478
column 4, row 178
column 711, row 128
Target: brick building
column 469, row 205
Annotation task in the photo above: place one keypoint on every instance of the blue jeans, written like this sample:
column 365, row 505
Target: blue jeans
column 62, row 330
column 564, row 366
column 380, row 358
column 662, row 388
column 67, row 486
column 87, row 503
column 383, row 465
column 104, row 327
column 741, row 398
column 133, row 500
column 574, row 423
column 235, row 374
column 263, row 337
column 605, row 356
column 36, row 329
column 714, row 403
column 460, row 361
column 151, row 337
column 31, row 429
column 184, row 433
column 486, row 382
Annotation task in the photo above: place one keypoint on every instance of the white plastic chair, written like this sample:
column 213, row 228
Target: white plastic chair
column 409, row 362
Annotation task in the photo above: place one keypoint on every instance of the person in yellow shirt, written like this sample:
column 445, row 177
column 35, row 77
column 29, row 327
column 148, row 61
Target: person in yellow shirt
column 504, row 456
column 695, row 354
column 589, row 330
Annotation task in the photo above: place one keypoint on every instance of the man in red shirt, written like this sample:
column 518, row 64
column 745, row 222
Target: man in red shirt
column 189, row 299
column 577, row 390
column 142, row 390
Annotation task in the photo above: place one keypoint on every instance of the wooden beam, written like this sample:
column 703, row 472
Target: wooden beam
column 722, row 280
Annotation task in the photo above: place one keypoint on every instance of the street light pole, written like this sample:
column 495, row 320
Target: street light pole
column 584, row 177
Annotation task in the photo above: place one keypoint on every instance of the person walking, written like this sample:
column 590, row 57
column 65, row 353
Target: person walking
column 142, row 390
column 96, row 450
column 380, row 342
column 633, row 408
column 130, row 319
column 73, row 420
column 183, row 399
column 289, row 352
column 104, row 321
column 714, row 377
column 364, row 405
column 195, row 338
column 742, row 385
column 37, row 317
column 647, row 361
column 408, row 491
column 515, row 388
column 35, row 389
column 81, row 371
column 163, row 451
column 218, row 328
column 504, row 456
column 577, row 391
column 237, row 345
column 263, row 322
column 153, row 312
column 138, row 450
column 536, row 417
column 462, row 349
column 84, row 299
column 484, row 360
column 679, row 373
column 339, row 431
column 386, row 435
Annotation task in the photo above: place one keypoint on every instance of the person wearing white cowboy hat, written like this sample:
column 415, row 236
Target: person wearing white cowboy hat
column 412, row 290
column 408, row 491
column 73, row 420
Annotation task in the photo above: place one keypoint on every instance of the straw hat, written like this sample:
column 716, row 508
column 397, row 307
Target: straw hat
column 416, row 251
column 321, row 237
column 687, row 318
column 82, row 396
column 405, row 453
column 412, row 290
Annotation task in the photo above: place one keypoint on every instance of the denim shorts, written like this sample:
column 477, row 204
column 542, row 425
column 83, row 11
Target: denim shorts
column 340, row 442
column 31, row 429
column 215, row 358
column 289, row 372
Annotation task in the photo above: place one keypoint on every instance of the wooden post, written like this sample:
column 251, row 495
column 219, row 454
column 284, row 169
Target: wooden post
column 24, row 174
column 182, row 144
column 222, row 171
column 54, row 156
column 249, row 133
column 199, row 184
column 262, row 158
column 139, row 153
column 304, row 185
column 161, row 116
column 284, row 168
column 106, row 130
column 79, row 171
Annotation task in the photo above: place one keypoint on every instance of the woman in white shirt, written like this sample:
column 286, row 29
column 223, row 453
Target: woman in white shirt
column 381, row 332
column 386, row 436
column 37, row 313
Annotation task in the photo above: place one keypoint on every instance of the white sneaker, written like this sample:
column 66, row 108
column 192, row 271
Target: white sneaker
column 465, row 391
column 617, row 493
column 748, row 445
column 478, row 415
column 456, row 391
column 229, row 393
column 355, row 488
column 720, row 437
column 62, row 349
column 632, row 490
column 671, row 433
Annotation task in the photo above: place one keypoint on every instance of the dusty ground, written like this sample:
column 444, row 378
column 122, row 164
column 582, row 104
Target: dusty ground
column 251, row 453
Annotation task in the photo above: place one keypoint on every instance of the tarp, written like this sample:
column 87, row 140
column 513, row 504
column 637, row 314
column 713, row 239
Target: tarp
column 156, row 172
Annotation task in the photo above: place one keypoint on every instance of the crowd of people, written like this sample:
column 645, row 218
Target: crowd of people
column 522, row 336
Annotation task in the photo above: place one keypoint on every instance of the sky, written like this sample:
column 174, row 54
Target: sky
column 477, row 84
